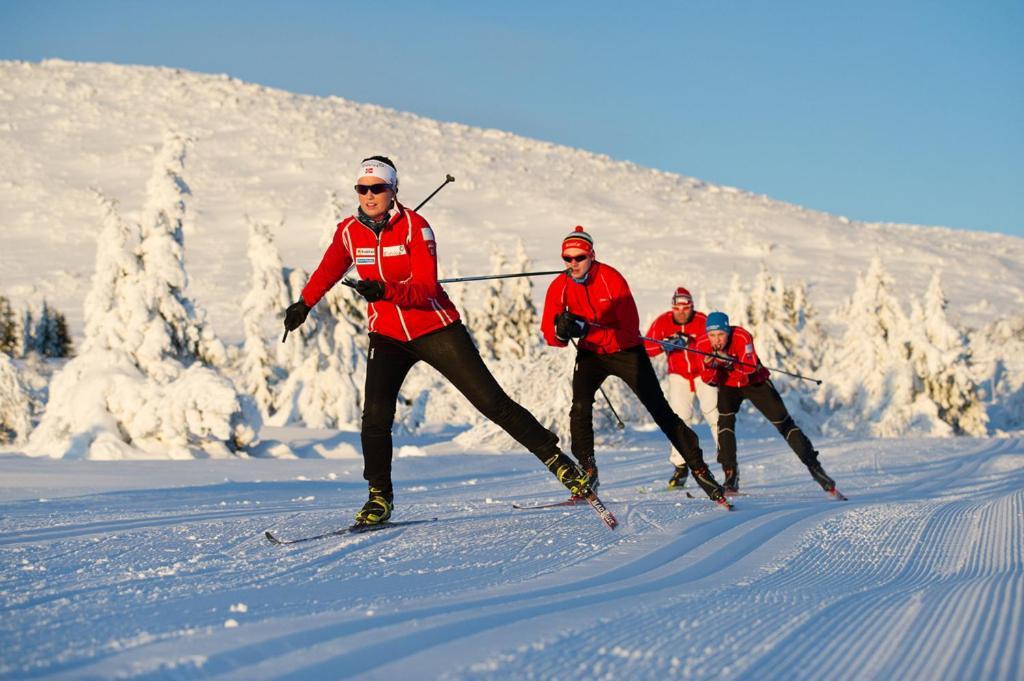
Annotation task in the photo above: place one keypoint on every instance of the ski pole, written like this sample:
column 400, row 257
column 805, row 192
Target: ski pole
column 484, row 277
column 619, row 424
column 676, row 346
column 447, row 179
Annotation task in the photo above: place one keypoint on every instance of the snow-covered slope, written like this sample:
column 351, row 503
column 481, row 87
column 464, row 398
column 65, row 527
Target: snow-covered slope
column 68, row 127
column 159, row 570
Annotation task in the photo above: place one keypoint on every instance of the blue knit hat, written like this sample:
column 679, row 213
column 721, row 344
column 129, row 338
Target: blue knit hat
column 717, row 321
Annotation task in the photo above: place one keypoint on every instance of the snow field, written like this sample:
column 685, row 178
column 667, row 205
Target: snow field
column 920, row 575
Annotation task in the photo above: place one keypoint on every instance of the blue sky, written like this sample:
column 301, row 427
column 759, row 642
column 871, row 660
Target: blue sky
column 892, row 111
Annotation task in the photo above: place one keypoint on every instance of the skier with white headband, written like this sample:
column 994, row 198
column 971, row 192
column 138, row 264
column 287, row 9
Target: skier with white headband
column 411, row 318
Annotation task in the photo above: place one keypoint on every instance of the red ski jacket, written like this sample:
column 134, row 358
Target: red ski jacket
column 404, row 257
column 604, row 300
column 739, row 347
column 686, row 364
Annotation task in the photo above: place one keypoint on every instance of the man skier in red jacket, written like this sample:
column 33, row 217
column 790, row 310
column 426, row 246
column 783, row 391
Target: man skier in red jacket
column 682, row 325
column 735, row 368
column 411, row 318
column 592, row 302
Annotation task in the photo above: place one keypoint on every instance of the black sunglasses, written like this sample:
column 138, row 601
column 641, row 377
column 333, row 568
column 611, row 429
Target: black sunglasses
column 361, row 189
column 575, row 258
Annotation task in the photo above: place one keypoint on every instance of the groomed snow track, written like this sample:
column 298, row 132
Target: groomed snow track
column 920, row 575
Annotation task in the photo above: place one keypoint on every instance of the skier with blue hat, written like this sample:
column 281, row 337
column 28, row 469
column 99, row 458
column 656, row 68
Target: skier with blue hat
column 732, row 364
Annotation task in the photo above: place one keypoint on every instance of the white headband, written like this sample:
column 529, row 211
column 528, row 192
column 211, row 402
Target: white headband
column 373, row 168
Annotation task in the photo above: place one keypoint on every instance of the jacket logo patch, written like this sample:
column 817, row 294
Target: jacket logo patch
column 428, row 234
column 371, row 260
column 365, row 251
column 393, row 250
column 749, row 348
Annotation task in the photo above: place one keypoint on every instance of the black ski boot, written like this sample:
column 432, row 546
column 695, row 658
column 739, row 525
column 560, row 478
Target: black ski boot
column 821, row 477
column 731, row 483
column 569, row 474
column 589, row 466
column 678, row 479
column 377, row 508
column 707, row 482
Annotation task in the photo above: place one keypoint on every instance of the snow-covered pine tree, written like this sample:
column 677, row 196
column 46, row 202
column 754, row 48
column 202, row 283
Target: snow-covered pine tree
column 871, row 381
column 998, row 353
column 64, row 345
column 520, row 337
column 701, row 302
column 768, row 321
column 8, row 328
column 268, row 295
column 459, row 293
column 490, row 330
column 326, row 363
column 139, row 389
column 26, row 342
column 50, row 337
column 116, row 313
column 177, row 327
column 809, row 346
column 735, row 303
column 941, row 359
column 15, row 422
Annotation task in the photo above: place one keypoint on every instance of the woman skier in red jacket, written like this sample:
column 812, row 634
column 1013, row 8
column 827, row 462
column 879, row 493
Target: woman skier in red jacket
column 411, row 318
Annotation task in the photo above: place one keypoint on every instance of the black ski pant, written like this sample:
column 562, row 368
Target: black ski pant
column 633, row 366
column 451, row 351
column 766, row 398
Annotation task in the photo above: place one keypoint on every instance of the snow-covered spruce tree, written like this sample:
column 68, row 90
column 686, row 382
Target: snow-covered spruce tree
column 50, row 338
column 520, row 337
column 326, row 364
column 809, row 348
column 176, row 327
column 8, row 328
column 998, row 353
column 115, row 307
column 870, row 379
column 460, row 295
column 490, row 329
column 268, row 295
column 26, row 342
column 14, row 404
column 768, row 321
column 784, row 326
column 941, row 359
column 735, row 303
column 141, row 388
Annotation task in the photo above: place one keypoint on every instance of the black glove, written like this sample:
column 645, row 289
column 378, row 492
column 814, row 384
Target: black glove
column 295, row 315
column 569, row 325
column 370, row 289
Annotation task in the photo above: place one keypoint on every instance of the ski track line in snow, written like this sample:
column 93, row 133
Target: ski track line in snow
column 115, row 526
